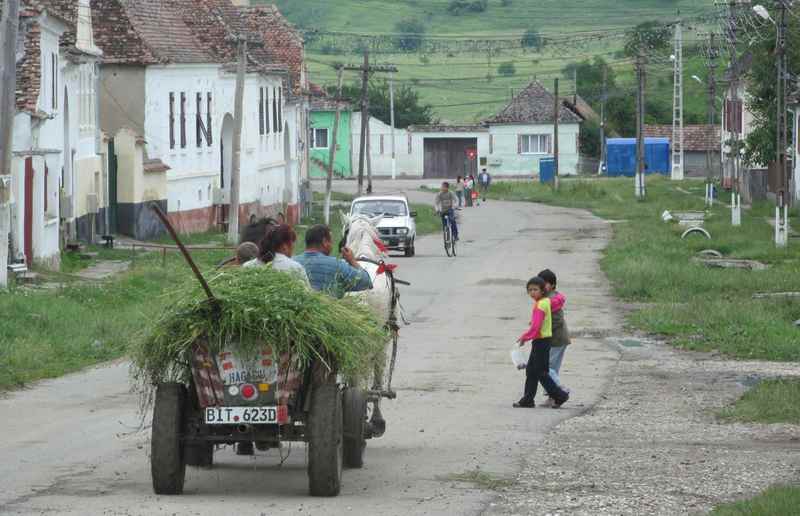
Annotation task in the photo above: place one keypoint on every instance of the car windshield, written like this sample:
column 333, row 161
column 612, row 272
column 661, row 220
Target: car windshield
column 390, row 208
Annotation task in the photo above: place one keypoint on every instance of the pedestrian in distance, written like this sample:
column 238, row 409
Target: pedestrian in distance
column 484, row 181
column 469, row 186
column 541, row 333
column 560, row 331
column 460, row 191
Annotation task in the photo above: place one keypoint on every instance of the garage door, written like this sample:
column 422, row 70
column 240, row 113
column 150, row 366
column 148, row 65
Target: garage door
column 450, row 157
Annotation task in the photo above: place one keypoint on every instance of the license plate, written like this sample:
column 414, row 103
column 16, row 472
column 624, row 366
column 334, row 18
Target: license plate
column 241, row 415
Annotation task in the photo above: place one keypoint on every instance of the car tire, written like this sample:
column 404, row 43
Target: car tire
column 410, row 249
column 167, row 459
column 325, row 446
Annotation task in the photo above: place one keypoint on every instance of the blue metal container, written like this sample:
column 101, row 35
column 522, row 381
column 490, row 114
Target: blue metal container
column 547, row 170
column 621, row 156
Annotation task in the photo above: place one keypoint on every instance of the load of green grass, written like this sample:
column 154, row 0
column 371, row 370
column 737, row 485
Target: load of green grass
column 260, row 307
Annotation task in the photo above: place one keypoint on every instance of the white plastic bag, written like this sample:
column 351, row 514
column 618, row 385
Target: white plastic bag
column 520, row 355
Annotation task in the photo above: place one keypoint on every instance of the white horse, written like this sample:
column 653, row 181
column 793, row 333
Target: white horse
column 363, row 239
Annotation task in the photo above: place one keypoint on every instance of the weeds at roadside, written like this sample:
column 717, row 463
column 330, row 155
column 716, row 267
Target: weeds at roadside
column 770, row 401
column 775, row 501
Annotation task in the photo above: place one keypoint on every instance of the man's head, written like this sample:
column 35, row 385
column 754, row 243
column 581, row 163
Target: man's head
column 246, row 252
column 319, row 238
column 550, row 280
column 445, row 186
column 483, row 170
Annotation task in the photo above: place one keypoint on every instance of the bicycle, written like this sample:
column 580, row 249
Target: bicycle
column 449, row 240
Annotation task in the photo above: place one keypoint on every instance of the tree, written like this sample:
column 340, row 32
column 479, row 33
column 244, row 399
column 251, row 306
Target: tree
column 532, row 39
column 410, row 33
column 459, row 7
column 647, row 37
column 407, row 108
column 761, row 80
column 507, row 69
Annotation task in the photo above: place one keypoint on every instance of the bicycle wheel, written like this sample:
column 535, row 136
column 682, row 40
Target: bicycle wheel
column 448, row 238
column 453, row 246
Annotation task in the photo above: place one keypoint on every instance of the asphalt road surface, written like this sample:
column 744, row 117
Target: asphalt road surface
column 73, row 445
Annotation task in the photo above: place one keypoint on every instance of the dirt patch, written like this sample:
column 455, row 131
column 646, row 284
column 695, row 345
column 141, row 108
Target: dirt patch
column 654, row 444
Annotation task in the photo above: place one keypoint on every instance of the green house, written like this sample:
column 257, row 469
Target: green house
column 323, row 116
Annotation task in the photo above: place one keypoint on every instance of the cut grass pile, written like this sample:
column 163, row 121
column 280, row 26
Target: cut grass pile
column 771, row 401
column 260, row 307
column 775, row 501
column 699, row 308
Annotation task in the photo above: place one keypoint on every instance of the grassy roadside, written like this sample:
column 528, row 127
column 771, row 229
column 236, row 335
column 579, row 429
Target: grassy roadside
column 771, row 401
column 647, row 262
column 48, row 333
column 775, row 501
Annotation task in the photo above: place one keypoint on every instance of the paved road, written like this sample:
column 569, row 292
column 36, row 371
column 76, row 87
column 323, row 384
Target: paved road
column 70, row 446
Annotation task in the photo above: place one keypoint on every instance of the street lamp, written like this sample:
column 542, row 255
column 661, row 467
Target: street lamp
column 762, row 13
column 698, row 79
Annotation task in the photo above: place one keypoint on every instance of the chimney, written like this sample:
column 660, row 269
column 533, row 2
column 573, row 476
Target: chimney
column 85, row 36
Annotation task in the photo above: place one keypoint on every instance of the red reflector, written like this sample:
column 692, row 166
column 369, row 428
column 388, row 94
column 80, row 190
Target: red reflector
column 226, row 366
column 382, row 248
column 248, row 391
column 283, row 414
column 266, row 362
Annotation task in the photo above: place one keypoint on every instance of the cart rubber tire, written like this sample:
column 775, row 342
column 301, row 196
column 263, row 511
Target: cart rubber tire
column 355, row 420
column 167, row 460
column 325, row 446
column 199, row 455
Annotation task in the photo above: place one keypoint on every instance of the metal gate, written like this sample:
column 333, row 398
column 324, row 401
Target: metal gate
column 450, row 157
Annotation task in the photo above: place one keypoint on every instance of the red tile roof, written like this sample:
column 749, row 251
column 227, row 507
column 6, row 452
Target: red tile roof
column 282, row 42
column 696, row 138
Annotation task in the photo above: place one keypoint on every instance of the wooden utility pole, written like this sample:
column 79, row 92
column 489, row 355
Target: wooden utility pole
column 602, row 167
column 332, row 143
column 8, row 87
column 640, row 190
column 556, row 112
column 365, row 70
column 238, row 115
column 391, row 110
column 369, row 158
column 364, row 120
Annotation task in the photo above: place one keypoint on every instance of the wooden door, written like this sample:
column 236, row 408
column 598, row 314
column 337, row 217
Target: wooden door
column 28, row 222
column 450, row 157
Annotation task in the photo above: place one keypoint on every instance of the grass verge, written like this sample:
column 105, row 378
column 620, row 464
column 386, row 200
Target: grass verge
column 697, row 307
column 775, row 501
column 771, row 401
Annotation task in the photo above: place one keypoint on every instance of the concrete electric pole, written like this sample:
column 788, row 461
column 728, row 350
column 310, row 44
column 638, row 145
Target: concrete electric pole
column 8, row 86
column 783, row 197
column 332, row 144
column 640, row 190
column 238, row 121
column 677, row 106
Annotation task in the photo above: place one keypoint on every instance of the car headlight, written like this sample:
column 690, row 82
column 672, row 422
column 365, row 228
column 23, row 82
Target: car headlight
column 402, row 231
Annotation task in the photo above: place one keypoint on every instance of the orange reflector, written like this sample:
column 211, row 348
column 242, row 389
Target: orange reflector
column 283, row 414
column 263, row 387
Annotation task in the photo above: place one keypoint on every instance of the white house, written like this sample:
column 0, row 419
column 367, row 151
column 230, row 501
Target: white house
column 171, row 79
column 509, row 144
column 56, row 170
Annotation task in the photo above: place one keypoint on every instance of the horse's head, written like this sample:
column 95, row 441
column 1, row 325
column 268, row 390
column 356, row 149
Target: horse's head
column 361, row 236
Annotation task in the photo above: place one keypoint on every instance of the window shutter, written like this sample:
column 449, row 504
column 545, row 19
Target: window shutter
column 491, row 144
column 171, row 120
column 183, row 120
column 519, row 144
column 266, row 110
column 261, row 111
column 209, row 132
column 274, row 110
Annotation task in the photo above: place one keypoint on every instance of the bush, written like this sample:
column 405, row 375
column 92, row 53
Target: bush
column 411, row 31
column 458, row 7
column 532, row 39
column 507, row 69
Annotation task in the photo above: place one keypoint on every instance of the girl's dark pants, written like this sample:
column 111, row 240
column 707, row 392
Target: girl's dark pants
column 538, row 371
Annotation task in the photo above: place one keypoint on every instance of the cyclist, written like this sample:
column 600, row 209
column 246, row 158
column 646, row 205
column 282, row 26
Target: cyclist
column 445, row 204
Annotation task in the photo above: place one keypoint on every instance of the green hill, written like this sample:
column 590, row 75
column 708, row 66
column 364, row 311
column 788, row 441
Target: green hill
column 456, row 68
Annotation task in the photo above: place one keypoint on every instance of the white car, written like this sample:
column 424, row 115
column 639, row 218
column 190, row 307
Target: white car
column 397, row 228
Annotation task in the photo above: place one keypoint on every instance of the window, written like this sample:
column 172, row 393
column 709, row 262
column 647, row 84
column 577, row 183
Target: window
column 172, row 120
column 54, row 82
column 183, row 120
column 209, row 132
column 280, row 109
column 491, row 144
column 733, row 116
column 319, row 138
column 534, row 144
column 261, row 111
column 274, row 111
column 372, row 208
column 381, row 144
column 266, row 110
column 409, row 144
column 200, row 127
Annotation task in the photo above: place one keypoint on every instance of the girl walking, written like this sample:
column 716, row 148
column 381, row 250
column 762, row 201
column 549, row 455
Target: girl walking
column 460, row 191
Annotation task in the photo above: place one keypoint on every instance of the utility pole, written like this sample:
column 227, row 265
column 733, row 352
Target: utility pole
column 238, row 121
column 603, row 99
column 364, row 120
column 369, row 158
column 332, row 143
column 712, row 99
column 556, row 112
column 366, row 70
column 677, row 107
column 782, row 198
column 734, row 113
column 391, row 111
column 640, row 190
column 8, row 86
